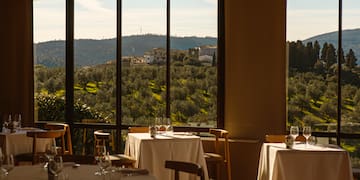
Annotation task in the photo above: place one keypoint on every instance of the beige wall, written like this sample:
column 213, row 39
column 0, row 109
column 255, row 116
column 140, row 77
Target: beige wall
column 255, row 93
column 254, row 78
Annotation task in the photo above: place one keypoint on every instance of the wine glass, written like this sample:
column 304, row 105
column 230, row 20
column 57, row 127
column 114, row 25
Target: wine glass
column 50, row 153
column 294, row 132
column 105, row 163
column 169, row 127
column 55, row 165
column 307, row 133
column 8, row 164
column 99, row 157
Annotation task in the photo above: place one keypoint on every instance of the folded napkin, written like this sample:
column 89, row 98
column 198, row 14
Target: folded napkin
column 132, row 171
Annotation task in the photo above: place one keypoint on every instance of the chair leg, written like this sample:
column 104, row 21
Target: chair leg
column 228, row 168
column 218, row 172
column 84, row 141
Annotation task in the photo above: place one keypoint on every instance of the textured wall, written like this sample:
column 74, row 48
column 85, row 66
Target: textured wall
column 255, row 96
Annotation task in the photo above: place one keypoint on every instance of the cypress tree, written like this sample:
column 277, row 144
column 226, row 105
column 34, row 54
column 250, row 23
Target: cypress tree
column 350, row 60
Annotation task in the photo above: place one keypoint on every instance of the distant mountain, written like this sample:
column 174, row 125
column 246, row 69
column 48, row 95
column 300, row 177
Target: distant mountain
column 92, row 52
column 351, row 40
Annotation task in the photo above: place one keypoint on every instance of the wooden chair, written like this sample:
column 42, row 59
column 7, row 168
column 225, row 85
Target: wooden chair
column 102, row 138
column 34, row 156
column 138, row 129
column 185, row 167
column 66, row 139
column 216, row 158
column 279, row 138
column 85, row 133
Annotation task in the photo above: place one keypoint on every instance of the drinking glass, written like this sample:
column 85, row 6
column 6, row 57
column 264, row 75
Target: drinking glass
column 56, row 165
column 160, row 125
column 8, row 164
column 105, row 163
column 307, row 133
column 294, row 132
column 99, row 157
column 169, row 127
column 50, row 153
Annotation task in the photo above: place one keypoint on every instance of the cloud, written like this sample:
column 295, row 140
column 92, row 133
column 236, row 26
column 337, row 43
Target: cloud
column 213, row 2
column 95, row 6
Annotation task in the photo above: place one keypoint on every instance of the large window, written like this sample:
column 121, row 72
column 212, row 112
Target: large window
column 323, row 72
column 118, row 63
column 49, row 60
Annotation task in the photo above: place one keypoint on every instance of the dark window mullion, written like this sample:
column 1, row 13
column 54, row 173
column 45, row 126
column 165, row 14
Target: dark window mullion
column 338, row 131
column 69, row 61
column 221, row 66
column 69, row 65
column 118, row 73
column 168, row 58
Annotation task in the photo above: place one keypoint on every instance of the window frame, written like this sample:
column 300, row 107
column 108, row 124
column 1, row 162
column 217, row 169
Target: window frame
column 118, row 126
column 339, row 135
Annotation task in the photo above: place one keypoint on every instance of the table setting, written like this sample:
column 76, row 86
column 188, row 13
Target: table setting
column 161, row 143
column 299, row 160
column 54, row 168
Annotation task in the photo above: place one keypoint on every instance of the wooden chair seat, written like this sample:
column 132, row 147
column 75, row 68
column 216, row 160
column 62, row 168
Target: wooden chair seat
column 216, row 158
column 102, row 138
column 120, row 160
column 138, row 129
column 188, row 167
column 66, row 147
column 279, row 138
column 34, row 156
column 213, row 157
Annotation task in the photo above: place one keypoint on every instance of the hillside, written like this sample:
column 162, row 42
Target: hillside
column 351, row 39
column 91, row 52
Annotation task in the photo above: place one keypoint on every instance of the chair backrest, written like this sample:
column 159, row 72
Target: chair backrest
column 138, row 129
column 101, row 138
column 279, row 138
column 67, row 135
column 223, row 134
column 85, row 139
column 188, row 167
column 43, row 134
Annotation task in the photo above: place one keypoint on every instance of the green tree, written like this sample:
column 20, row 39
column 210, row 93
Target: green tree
column 323, row 51
column 330, row 56
column 350, row 60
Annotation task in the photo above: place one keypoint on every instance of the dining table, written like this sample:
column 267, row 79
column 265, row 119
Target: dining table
column 17, row 142
column 303, row 161
column 72, row 171
column 152, row 152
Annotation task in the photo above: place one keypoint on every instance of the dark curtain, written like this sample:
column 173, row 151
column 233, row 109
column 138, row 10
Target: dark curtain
column 16, row 62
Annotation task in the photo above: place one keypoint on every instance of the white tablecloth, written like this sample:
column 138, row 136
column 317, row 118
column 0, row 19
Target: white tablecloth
column 303, row 162
column 18, row 143
column 151, row 153
column 84, row 172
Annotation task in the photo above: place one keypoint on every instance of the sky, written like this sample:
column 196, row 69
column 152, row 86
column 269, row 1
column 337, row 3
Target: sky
column 96, row 19
column 307, row 18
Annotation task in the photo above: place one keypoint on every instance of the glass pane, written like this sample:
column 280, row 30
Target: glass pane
column 352, row 146
column 312, row 58
column 83, row 141
column 193, row 63
column 143, row 61
column 350, row 82
column 95, row 61
column 49, row 60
